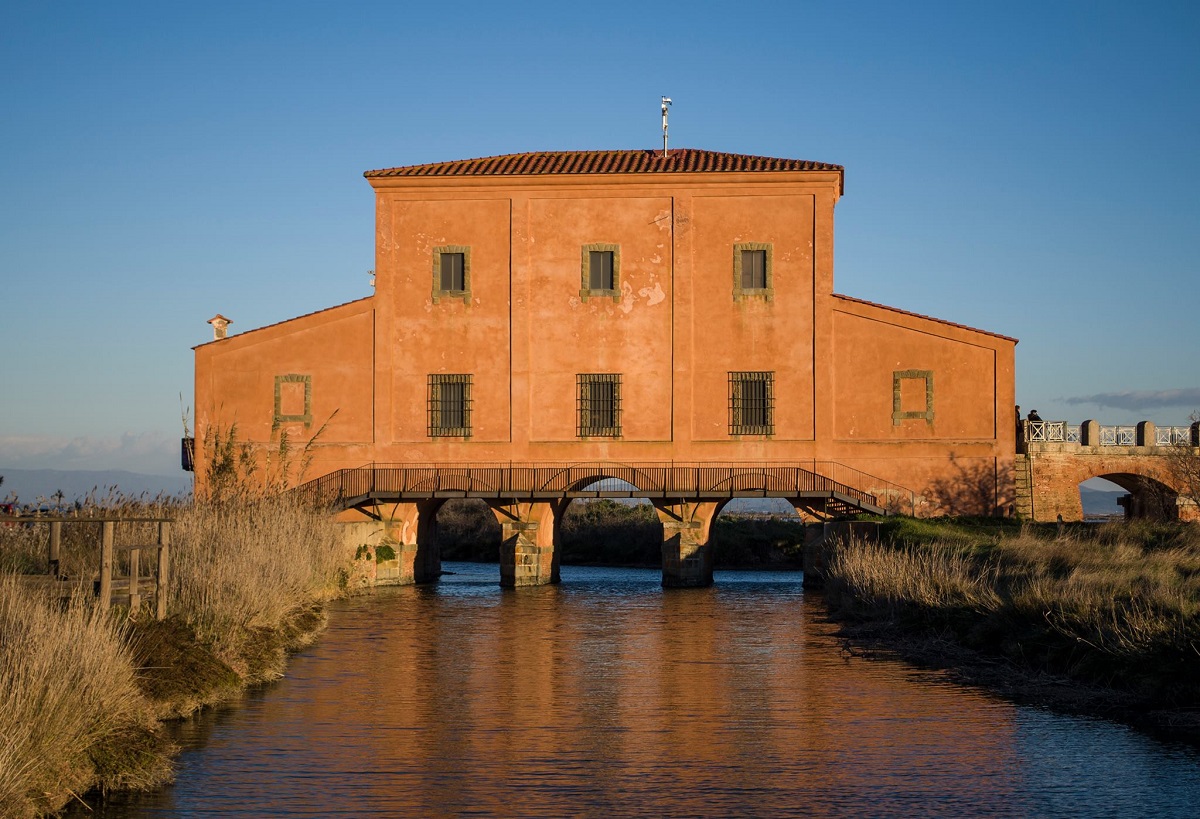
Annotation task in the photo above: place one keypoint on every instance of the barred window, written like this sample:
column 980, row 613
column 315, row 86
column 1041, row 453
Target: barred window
column 450, row 406
column 600, row 271
column 751, row 403
column 599, row 403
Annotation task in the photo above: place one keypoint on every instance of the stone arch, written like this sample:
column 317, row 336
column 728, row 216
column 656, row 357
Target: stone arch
column 581, row 478
column 1054, row 478
column 1149, row 497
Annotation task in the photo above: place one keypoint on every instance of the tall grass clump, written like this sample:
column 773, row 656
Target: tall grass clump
column 1117, row 605
column 246, row 574
column 71, row 713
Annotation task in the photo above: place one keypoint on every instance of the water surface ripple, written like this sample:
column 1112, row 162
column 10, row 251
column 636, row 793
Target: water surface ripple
column 609, row 696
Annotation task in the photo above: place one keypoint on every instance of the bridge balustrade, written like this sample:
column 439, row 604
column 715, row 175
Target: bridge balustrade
column 1118, row 435
column 1172, row 436
column 1039, row 432
column 1048, row 431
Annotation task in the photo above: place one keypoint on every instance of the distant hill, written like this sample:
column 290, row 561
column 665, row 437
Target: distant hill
column 30, row 484
column 1101, row 502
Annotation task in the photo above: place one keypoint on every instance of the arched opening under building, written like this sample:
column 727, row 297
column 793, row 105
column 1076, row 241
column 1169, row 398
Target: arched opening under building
column 758, row 533
column 622, row 530
column 1127, row 496
column 468, row 530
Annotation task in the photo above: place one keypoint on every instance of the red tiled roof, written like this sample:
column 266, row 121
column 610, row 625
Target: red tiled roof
column 927, row 318
column 677, row 160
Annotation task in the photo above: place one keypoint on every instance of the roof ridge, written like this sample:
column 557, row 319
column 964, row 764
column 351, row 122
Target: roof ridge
column 621, row 160
column 889, row 308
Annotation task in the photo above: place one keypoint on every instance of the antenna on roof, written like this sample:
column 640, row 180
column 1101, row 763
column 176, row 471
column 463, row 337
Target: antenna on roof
column 665, row 102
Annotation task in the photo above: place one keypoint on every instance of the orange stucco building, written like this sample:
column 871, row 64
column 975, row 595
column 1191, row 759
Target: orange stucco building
column 624, row 306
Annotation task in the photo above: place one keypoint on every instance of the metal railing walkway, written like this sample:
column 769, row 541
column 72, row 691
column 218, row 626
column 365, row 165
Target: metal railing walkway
column 825, row 482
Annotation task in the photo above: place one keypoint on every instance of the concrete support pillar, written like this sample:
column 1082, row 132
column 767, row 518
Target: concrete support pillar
column 412, row 528
column 528, row 542
column 687, row 553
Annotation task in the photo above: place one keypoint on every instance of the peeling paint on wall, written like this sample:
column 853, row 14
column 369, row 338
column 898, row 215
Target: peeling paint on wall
column 653, row 295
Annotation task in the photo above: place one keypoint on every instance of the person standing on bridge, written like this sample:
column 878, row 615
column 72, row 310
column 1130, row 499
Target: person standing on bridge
column 1034, row 417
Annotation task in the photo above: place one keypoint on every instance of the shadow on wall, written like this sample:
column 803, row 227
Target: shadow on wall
column 968, row 488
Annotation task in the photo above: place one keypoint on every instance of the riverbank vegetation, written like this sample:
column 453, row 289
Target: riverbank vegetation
column 81, row 692
column 1114, row 609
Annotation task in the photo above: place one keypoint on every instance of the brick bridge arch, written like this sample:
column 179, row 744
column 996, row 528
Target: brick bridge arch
column 1048, row 472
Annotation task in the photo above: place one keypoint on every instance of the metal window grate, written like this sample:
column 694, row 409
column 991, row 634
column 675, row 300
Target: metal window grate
column 751, row 403
column 599, row 405
column 450, row 406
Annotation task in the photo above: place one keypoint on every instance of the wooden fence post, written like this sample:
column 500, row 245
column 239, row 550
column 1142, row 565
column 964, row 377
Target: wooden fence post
column 106, row 560
column 160, row 589
column 52, row 556
column 135, row 598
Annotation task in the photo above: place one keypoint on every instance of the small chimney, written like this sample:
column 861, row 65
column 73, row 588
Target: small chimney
column 220, row 326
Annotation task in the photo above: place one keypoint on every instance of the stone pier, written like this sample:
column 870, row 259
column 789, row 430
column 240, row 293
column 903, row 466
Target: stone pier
column 412, row 528
column 528, row 556
column 687, row 558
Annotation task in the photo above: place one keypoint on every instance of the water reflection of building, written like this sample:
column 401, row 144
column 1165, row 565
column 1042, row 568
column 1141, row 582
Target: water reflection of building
column 548, row 702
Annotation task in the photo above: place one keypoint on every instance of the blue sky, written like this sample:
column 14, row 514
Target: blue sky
column 1026, row 168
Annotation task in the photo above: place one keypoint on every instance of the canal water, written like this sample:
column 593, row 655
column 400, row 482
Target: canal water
column 610, row 696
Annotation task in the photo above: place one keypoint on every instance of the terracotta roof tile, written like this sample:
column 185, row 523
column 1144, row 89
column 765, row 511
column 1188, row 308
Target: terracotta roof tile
column 677, row 160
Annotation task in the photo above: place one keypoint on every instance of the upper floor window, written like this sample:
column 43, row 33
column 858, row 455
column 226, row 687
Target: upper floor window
column 600, row 271
column 751, row 403
column 452, row 273
column 599, row 404
column 449, row 405
column 752, row 271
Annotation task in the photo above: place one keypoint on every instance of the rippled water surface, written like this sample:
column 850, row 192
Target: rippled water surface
column 609, row 696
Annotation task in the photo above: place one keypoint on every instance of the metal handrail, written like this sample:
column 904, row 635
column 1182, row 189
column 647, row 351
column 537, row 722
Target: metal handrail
column 502, row 480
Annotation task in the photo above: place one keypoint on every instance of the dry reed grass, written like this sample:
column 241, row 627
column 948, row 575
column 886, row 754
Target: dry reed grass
column 1119, row 605
column 242, row 569
column 245, row 578
column 70, row 708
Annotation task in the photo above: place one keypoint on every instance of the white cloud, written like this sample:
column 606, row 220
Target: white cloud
column 152, row 453
column 1142, row 399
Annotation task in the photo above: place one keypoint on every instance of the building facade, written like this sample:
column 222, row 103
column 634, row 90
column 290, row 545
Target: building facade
column 623, row 306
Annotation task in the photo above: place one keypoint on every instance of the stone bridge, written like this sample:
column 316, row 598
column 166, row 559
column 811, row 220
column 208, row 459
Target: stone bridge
column 529, row 501
column 1148, row 461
